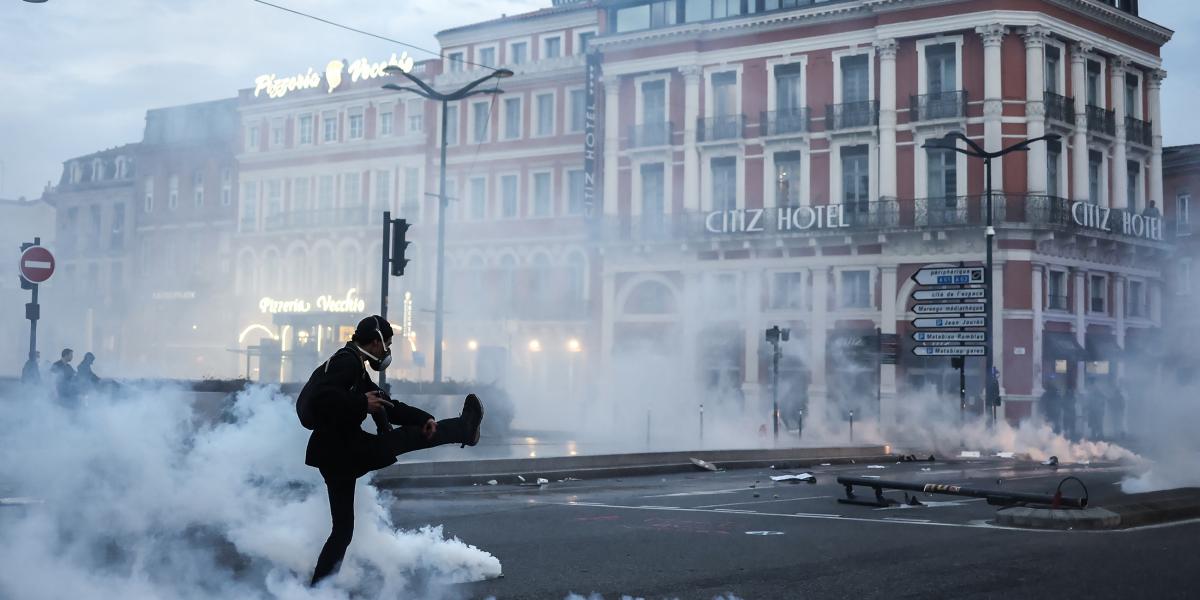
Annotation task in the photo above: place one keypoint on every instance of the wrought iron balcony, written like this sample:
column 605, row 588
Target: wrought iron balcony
column 1100, row 120
column 650, row 135
column 725, row 127
column 782, row 122
column 852, row 115
column 940, row 105
column 1060, row 108
column 1138, row 131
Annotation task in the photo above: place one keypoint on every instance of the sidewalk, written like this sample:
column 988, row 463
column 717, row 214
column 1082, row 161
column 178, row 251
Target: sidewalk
column 439, row 473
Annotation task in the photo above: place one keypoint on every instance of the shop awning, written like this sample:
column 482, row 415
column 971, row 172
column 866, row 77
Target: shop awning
column 1103, row 346
column 1060, row 345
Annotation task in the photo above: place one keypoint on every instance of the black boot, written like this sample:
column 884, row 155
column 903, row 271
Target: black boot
column 472, row 417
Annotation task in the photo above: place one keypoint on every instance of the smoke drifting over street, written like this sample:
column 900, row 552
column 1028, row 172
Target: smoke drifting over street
column 131, row 497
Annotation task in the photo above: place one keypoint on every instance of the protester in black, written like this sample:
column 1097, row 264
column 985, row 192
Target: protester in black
column 63, row 374
column 335, row 401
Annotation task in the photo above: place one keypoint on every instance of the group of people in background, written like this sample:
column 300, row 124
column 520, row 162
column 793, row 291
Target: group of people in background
column 69, row 383
column 1101, row 412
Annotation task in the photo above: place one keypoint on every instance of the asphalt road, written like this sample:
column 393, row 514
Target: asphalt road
column 700, row 535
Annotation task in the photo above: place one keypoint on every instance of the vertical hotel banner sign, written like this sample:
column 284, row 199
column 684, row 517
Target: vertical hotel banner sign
column 590, row 137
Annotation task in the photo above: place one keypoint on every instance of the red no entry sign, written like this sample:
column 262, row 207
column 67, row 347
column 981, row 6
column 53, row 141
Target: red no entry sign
column 37, row 264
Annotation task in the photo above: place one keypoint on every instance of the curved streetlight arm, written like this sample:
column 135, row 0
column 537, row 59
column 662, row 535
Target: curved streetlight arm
column 429, row 92
column 946, row 142
column 466, row 90
column 1024, row 145
column 400, row 88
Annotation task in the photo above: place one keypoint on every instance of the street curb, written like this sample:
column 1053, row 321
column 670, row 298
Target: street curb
column 457, row 473
column 1057, row 518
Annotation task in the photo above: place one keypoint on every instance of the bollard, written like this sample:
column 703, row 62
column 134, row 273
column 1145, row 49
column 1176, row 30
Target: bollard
column 800, row 423
column 702, row 423
column 851, row 426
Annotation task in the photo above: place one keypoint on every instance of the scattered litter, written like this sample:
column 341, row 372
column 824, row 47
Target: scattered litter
column 707, row 466
column 775, row 496
column 908, row 458
column 852, row 461
column 1051, row 462
column 795, row 478
column 1005, row 454
column 521, row 478
column 825, row 464
column 542, row 481
column 876, row 467
column 756, row 495
column 492, row 482
column 577, row 479
column 870, row 477
column 926, row 469
column 772, row 466
column 969, row 454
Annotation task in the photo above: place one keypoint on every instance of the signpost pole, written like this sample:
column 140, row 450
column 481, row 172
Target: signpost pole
column 33, row 313
column 990, row 234
column 384, row 276
column 775, row 392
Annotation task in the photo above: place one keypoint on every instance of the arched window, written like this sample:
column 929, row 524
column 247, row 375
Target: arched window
column 576, row 285
column 508, row 277
column 246, row 270
column 539, row 283
column 298, row 270
column 270, row 277
column 650, row 298
column 350, row 268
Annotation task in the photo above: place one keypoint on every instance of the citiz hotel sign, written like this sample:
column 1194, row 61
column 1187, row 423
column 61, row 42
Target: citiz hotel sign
column 1125, row 222
column 359, row 70
column 786, row 218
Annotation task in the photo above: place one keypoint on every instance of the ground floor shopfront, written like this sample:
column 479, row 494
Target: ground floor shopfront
column 1067, row 303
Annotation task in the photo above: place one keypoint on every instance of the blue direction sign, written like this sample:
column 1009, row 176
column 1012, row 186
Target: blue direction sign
column 948, row 336
column 948, row 322
column 950, row 350
column 948, row 276
column 958, row 294
column 952, row 307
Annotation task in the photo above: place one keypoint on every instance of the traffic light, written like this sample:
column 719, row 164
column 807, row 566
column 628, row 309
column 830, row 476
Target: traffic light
column 777, row 334
column 399, row 246
column 25, row 285
column 956, row 362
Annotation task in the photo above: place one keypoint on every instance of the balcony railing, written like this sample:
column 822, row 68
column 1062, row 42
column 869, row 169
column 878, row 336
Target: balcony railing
column 1138, row 131
column 354, row 216
column 649, row 135
column 1100, row 120
column 1057, row 301
column 1060, row 108
column 852, row 115
column 940, row 105
column 782, row 122
column 725, row 127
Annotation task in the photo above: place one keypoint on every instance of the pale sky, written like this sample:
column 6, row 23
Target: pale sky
column 79, row 75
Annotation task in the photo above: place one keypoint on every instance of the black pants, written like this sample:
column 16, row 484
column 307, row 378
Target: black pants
column 341, row 490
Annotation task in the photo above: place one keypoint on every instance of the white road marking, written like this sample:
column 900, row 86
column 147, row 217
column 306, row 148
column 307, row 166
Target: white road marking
column 700, row 493
column 733, row 510
column 763, row 501
column 903, row 520
column 799, row 516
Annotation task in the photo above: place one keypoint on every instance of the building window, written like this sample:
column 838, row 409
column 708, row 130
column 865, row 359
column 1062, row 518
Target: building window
column 703, row 10
column 724, row 183
column 173, row 192
column 451, row 124
column 1133, row 183
column 855, row 289
column 1097, row 294
column 252, row 140
column 508, row 196
column 277, row 133
column 653, row 197
column 1095, row 169
column 512, row 118
column 575, row 192
column 542, row 203
column 578, row 101
column 383, row 191
column 856, row 180
column 329, row 128
column 198, row 189
column 1183, row 211
column 306, row 129
column 1135, row 299
column 385, row 123
column 1183, row 277
column 941, row 176
column 1094, row 84
column 787, row 290
column 789, row 88
column 552, row 47
column 576, row 277
column 487, row 57
column 274, row 209
column 478, row 198
column 226, row 187
column 455, row 62
column 94, row 226
column 301, row 202
column 787, row 178
column 518, row 53
column 148, row 198
column 325, row 200
column 585, row 40
column 646, row 16
column 480, row 114
column 1057, row 292
column 654, row 110
column 1132, row 96
column 941, row 69
column 545, row 114
column 352, row 190
column 416, row 116
column 1053, row 158
column 355, row 122
column 724, row 89
column 856, row 80
column 1050, row 70
column 249, row 202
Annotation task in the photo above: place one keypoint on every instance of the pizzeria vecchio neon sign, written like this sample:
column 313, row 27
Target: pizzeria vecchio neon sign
column 336, row 71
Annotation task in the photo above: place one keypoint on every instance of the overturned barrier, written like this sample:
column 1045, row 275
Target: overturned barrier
column 994, row 497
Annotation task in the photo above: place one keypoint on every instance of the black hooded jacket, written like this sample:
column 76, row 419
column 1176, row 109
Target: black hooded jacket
column 334, row 404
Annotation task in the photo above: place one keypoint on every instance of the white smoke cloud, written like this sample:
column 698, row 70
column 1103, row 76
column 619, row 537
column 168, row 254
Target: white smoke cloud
column 138, row 500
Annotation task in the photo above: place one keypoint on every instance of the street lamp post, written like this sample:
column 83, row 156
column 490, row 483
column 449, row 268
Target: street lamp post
column 948, row 142
column 423, row 89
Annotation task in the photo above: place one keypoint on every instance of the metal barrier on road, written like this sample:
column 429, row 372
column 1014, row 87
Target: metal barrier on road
column 994, row 497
